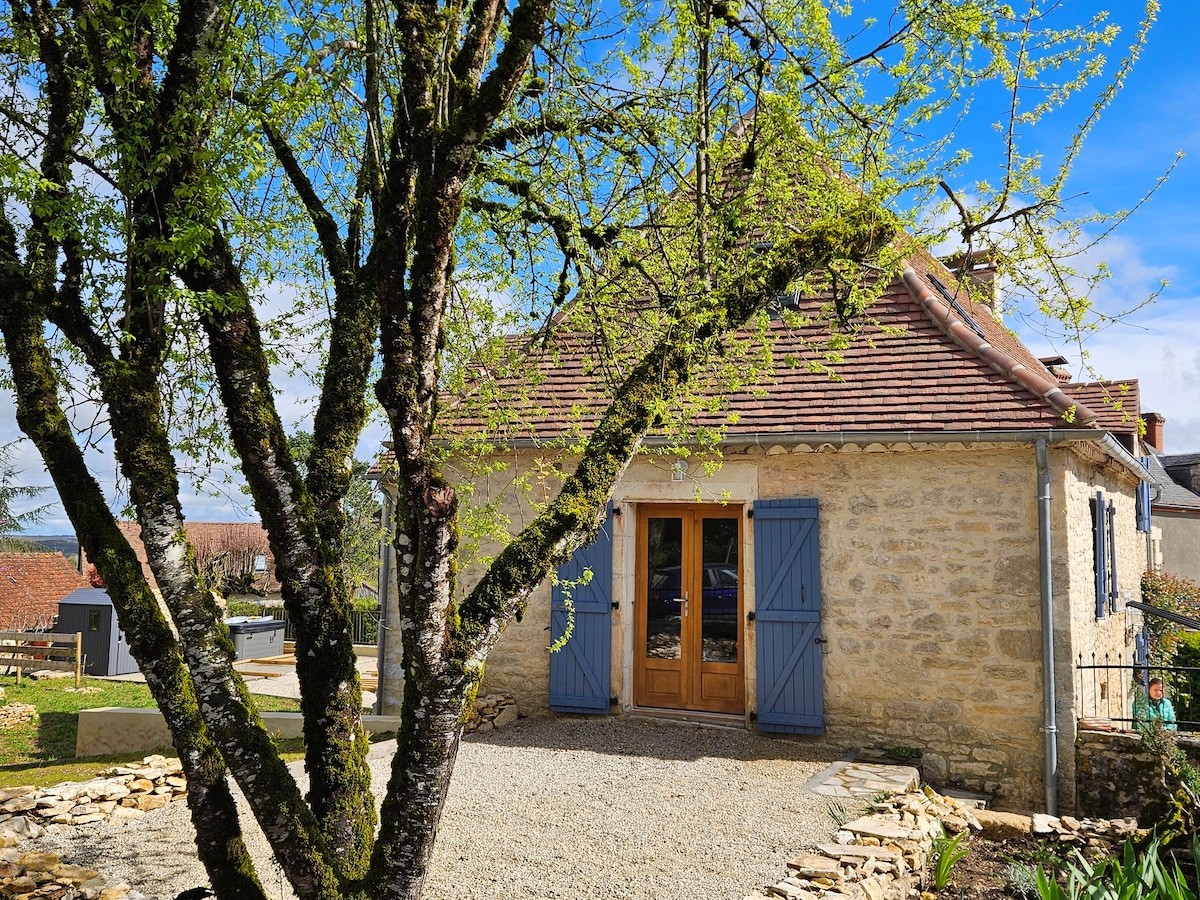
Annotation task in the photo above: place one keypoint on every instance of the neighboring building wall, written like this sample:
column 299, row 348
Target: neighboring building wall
column 1077, row 473
column 1180, row 547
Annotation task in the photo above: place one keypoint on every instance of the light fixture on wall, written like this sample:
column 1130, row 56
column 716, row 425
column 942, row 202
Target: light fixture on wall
column 678, row 470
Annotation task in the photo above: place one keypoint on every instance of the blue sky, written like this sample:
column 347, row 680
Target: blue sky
column 1156, row 115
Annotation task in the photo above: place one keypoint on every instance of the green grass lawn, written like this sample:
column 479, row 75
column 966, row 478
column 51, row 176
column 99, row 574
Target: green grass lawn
column 42, row 751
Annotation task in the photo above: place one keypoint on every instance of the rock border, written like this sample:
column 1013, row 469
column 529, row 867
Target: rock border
column 120, row 793
column 885, row 855
column 491, row 712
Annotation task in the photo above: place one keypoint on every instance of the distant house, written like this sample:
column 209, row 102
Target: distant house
column 31, row 585
column 892, row 557
column 1176, row 508
column 234, row 556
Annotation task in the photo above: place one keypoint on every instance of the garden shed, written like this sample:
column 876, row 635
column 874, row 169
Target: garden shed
column 90, row 611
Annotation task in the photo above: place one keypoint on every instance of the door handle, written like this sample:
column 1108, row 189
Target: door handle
column 683, row 600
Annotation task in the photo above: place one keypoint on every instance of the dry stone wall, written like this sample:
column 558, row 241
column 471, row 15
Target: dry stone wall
column 120, row 793
column 1115, row 777
column 43, row 876
column 880, row 856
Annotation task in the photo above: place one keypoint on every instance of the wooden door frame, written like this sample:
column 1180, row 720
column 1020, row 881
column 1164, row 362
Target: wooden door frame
column 691, row 634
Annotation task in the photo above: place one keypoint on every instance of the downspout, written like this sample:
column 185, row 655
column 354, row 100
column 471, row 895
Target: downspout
column 385, row 585
column 1050, row 724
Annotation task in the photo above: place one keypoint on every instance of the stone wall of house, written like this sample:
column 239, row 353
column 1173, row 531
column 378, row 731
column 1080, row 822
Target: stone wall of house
column 929, row 573
column 930, row 604
column 519, row 665
column 1180, row 538
column 1077, row 473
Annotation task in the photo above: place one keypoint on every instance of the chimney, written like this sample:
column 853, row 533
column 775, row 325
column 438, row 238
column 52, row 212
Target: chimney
column 981, row 270
column 1057, row 365
column 1154, row 430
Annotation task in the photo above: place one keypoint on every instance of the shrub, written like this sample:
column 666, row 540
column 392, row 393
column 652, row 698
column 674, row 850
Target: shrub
column 244, row 608
column 1174, row 594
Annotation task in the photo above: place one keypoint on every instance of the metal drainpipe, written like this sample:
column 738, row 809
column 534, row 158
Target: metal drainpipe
column 385, row 584
column 1050, row 727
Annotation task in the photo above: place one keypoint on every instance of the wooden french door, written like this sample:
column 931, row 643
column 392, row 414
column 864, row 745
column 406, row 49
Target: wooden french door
column 688, row 645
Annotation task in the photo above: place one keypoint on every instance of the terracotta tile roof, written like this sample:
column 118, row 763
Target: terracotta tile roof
column 208, row 538
column 31, row 584
column 1117, row 404
column 916, row 365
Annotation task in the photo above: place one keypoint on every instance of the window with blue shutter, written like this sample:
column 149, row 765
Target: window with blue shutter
column 1100, row 552
column 580, row 676
column 787, row 578
column 1143, row 499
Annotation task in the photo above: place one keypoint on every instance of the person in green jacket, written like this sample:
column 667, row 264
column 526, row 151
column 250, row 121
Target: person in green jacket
column 1154, row 708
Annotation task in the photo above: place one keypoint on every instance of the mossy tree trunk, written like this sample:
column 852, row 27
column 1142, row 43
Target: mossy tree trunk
column 159, row 95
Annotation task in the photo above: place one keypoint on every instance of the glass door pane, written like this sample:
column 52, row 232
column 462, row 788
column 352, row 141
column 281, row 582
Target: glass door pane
column 719, row 609
column 666, row 594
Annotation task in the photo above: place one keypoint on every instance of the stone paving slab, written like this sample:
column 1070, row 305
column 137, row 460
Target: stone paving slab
column 863, row 780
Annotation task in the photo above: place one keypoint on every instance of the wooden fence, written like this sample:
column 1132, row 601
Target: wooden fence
column 35, row 650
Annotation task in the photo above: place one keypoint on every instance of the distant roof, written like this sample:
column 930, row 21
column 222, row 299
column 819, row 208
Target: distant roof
column 1172, row 494
column 1181, row 459
column 1116, row 403
column 205, row 537
column 916, row 365
column 31, row 584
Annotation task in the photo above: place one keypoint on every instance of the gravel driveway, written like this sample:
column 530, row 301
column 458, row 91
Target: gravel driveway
column 560, row 807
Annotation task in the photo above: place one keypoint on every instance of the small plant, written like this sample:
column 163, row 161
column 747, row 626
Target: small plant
column 1020, row 881
column 838, row 812
column 947, row 852
column 905, row 753
column 1133, row 876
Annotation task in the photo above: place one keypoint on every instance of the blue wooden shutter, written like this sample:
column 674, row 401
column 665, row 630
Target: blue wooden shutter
column 1143, row 499
column 1113, row 588
column 1141, row 647
column 1100, row 552
column 580, row 674
column 791, row 693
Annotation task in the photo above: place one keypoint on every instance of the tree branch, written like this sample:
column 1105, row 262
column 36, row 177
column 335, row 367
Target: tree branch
column 309, row 569
column 340, row 264
column 573, row 517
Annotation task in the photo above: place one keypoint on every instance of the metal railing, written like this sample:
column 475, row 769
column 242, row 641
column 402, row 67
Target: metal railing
column 364, row 623
column 1106, row 687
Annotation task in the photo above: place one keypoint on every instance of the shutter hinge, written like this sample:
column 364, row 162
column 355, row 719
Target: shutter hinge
column 616, row 604
column 750, row 616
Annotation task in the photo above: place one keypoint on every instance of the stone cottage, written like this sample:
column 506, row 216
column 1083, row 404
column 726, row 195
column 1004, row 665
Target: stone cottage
column 911, row 554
